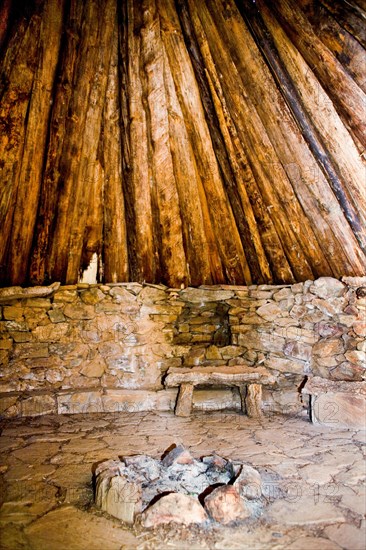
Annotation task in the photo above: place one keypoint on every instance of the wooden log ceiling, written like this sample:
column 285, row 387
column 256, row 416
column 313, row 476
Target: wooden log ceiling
column 182, row 141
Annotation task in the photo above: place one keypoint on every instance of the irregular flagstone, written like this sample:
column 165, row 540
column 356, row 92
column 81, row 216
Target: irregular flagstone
column 93, row 532
column 37, row 453
column 82, row 446
column 73, row 475
column 303, row 510
column 313, row 543
column 282, row 445
column 347, row 536
column 353, row 498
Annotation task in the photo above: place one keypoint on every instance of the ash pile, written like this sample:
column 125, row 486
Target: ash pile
column 178, row 488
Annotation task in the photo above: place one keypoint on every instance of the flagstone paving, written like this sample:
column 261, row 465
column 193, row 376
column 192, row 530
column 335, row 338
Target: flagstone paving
column 313, row 481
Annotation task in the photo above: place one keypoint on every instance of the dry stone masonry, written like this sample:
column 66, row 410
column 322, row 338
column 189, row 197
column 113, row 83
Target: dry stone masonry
column 108, row 348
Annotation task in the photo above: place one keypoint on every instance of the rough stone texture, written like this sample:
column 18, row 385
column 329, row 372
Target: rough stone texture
column 94, row 339
column 340, row 404
column 175, row 507
column 248, row 483
column 59, row 455
column 16, row 292
column 118, row 496
column 184, row 401
column 69, row 527
column 325, row 287
column 139, row 483
column 225, row 505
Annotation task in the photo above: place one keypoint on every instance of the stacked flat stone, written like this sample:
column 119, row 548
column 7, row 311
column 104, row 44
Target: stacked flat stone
column 93, row 348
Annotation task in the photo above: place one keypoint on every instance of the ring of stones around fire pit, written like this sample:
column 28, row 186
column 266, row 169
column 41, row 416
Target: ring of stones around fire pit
column 178, row 489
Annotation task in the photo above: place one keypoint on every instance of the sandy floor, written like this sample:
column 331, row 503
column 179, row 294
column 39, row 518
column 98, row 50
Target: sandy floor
column 314, row 481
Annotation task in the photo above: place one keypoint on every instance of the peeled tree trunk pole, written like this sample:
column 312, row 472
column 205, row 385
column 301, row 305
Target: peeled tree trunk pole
column 182, row 142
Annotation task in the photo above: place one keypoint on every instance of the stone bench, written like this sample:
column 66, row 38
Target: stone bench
column 249, row 380
column 339, row 404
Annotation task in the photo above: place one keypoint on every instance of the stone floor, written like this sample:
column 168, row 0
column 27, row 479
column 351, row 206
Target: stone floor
column 313, row 481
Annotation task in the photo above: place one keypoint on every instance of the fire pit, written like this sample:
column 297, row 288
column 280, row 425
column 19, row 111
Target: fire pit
column 178, row 488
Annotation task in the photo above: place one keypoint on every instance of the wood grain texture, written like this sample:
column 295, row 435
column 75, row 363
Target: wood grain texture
column 30, row 175
column 182, row 142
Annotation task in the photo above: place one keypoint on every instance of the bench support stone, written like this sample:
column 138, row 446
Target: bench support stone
column 184, row 401
column 243, row 396
column 249, row 380
column 253, row 401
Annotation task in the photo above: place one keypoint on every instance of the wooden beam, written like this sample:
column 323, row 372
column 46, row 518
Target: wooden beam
column 350, row 16
column 15, row 102
column 244, row 217
column 41, row 267
column 269, row 174
column 115, row 251
column 336, row 149
column 31, row 172
column 347, row 97
column 228, row 240
column 169, row 229
column 80, row 149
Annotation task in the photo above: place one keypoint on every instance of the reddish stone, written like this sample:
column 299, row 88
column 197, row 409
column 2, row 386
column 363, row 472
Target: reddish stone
column 326, row 330
column 176, row 508
column 347, row 371
column 224, row 505
column 248, row 483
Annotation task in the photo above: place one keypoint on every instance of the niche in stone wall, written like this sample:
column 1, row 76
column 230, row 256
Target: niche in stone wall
column 203, row 324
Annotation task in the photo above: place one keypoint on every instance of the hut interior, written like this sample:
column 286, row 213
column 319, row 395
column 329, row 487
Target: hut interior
column 182, row 274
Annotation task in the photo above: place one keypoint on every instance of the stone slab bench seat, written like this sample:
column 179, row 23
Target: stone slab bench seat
column 337, row 403
column 249, row 380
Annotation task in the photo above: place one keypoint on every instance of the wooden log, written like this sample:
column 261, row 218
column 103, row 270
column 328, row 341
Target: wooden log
column 361, row 4
column 339, row 41
column 269, row 173
column 13, row 110
column 292, row 150
column 243, row 214
column 30, row 175
column 42, row 268
column 248, row 189
column 12, row 50
column 350, row 16
column 203, row 260
column 283, row 132
column 115, row 251
column 347, row 97
column 171, row 248
column 80, row 149
column 229, row 243
column 324, row 125
column 143, row 250
column 5, row 10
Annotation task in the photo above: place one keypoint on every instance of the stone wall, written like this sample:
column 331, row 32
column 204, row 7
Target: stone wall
column 86, row 348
